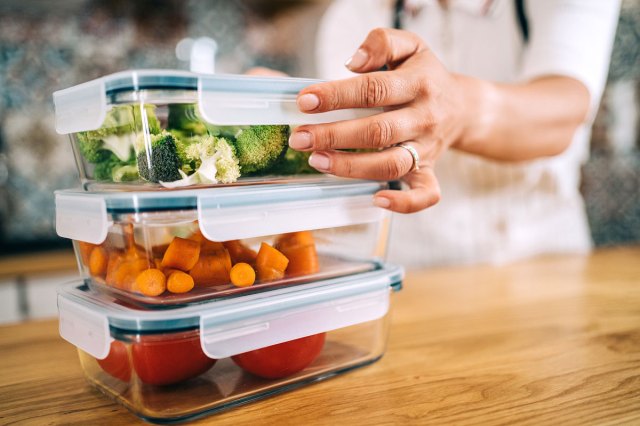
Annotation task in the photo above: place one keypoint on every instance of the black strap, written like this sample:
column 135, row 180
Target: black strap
column 398, row 10
column 523, row 22
column 521, row 16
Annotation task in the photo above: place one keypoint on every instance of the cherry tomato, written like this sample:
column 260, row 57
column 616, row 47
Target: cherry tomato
column 283, row 359
column 169, row 359
column 116, row 364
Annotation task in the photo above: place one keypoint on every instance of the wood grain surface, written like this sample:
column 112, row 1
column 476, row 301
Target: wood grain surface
column 548, row 341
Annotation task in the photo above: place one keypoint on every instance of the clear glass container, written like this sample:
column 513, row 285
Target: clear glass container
column 177, row 247
column 177, row 364
column 166, row 129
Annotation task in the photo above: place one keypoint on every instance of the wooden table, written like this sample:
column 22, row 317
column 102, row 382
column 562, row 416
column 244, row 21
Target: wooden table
column 547, row 341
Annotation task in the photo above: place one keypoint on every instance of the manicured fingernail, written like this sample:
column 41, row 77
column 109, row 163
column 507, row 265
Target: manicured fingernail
column 308, row 102
column 381, row 202
column 357, row 60
column 300, row 140
column 320, row 161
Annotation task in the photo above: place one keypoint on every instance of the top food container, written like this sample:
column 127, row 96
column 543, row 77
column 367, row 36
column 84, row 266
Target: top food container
column 167, row 129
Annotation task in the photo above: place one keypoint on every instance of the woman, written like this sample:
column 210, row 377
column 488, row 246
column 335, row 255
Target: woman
column 487, row 113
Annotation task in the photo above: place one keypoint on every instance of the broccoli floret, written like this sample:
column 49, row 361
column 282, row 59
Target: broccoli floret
column 126, row 173
column 117, row 133
column 204, row 148
column 260, row 147
column 227, row 132
column 161, row 163
column 184, row 119
column 92, row 149
column 293, row 163
column 212, row 160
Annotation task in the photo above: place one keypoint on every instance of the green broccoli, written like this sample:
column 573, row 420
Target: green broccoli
column 183, row 119
column 260, row 147
column 117, row 133
column 125, row 173
column 161, row 163
column 293, row 163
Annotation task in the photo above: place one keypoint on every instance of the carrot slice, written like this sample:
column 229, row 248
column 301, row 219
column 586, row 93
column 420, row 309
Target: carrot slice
column 240, row 252
column 126, row 274
column 98, row 262
column 270, row 263
column 206, row 246
column 181, row 254
column 300, row 249
column 242, row 275
column 212, row 269
column 151, row 282
column 180, row 282
column 85, row 250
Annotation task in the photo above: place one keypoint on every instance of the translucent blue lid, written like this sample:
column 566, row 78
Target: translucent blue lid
column 222, row 99
column 231, row 326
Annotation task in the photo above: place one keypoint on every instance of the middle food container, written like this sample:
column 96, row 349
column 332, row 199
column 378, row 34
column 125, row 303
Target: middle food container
column 160, row 248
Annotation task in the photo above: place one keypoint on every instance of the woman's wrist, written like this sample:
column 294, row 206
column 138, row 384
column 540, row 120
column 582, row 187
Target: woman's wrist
column 479, row 111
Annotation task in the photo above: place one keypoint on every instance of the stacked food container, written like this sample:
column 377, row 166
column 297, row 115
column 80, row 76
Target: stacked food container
column 218, row 268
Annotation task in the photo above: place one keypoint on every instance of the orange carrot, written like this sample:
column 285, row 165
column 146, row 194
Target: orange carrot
column 300, row 249
column 116, row 258
column 151, row 282
column 98, row 262
column 242, row 275
column 180, row 282
column 270, row 263
column 206, row 246
column 240, row 252
column 181, row 254
column 85, row 250
column 126, row 274
column 212, row 269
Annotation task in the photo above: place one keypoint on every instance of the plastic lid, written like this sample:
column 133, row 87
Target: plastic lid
column 228, row 213
column 232, row 326
column 222, row 99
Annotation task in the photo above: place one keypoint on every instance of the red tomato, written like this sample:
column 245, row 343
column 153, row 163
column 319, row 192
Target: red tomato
column 283, row 359
column 116, row 364
column 169, row 359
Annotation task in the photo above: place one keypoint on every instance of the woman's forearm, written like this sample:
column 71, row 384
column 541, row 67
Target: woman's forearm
column 519, row 122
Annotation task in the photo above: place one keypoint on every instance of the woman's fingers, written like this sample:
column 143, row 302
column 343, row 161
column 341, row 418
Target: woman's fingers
column 376, row 89
column 424, row 192
column 384, row 46
column 378, row 131
column 391, row 163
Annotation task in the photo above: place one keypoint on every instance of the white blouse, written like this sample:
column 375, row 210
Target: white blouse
column 489, row 211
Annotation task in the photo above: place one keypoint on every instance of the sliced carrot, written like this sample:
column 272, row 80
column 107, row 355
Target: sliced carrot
column 206, row 246
column 212, row 269
column 242, row 275
column 151, row 282
column 126, row 274
column 180, row 282
column 98, row 262
column 270, row 263
column 240, row 252
column 295, row 239
column 300, row 249
column 85, row 250
column 302, row 261
column 116, row 258
column 181, row 254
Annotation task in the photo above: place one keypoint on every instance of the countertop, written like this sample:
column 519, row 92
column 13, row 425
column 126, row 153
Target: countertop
column 554, row 340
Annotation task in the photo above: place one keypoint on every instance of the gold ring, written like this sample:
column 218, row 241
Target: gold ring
column 414, row 155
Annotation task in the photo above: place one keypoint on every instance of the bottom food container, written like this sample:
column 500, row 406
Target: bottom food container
column 176, row 364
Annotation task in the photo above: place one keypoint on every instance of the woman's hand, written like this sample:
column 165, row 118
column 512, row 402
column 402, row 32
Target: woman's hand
column 424, row 107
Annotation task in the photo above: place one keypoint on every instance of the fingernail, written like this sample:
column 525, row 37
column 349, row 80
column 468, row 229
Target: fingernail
column 320, row 161
column 308, row 102
column 357, row 60
column 300, row 140
column 381, row 202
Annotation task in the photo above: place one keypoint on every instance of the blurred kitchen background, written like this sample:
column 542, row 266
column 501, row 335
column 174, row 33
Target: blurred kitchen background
column 48, row 45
